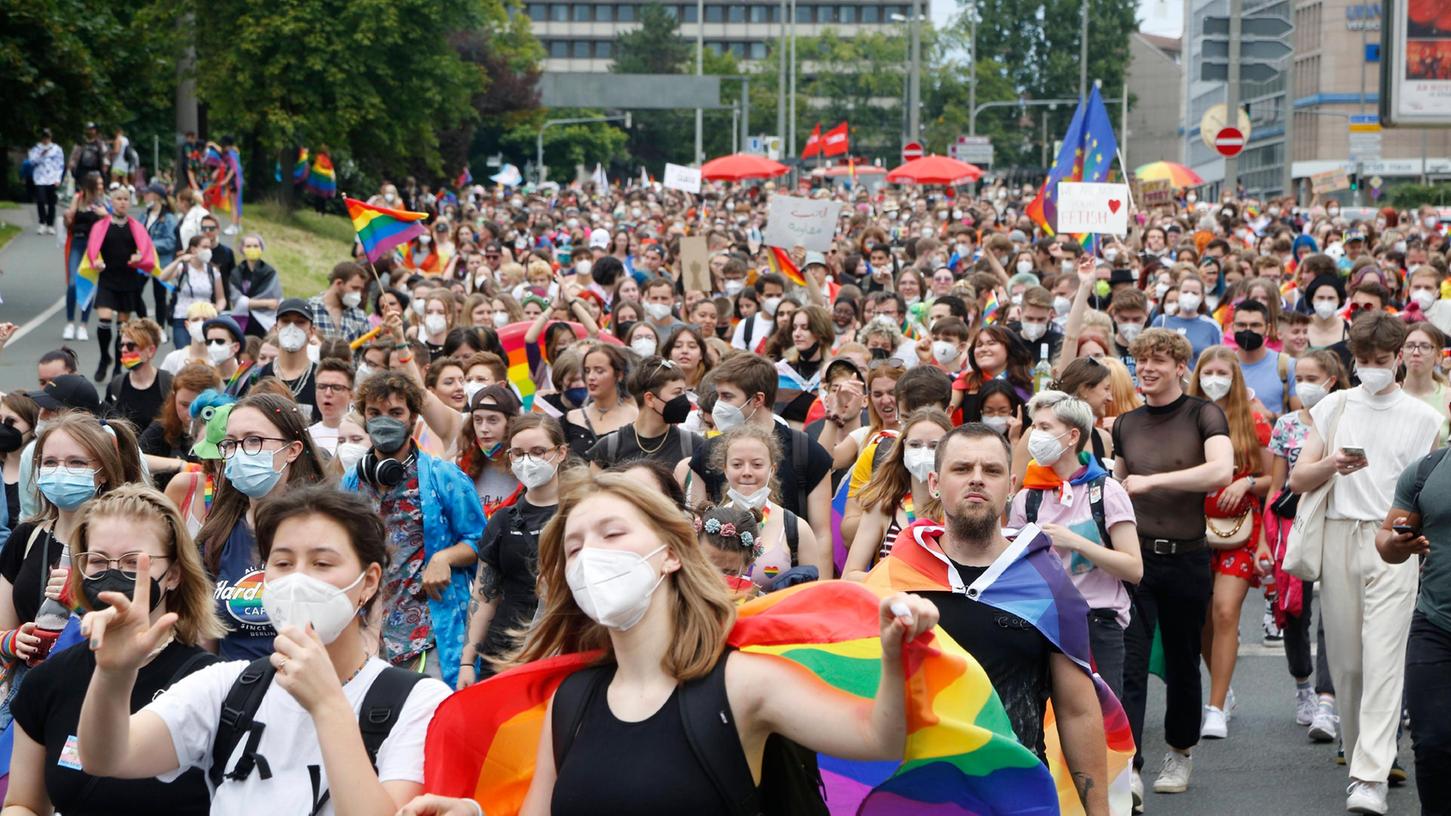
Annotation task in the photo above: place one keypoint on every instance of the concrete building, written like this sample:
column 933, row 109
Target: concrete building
column 1156, row 88
column 579, row 36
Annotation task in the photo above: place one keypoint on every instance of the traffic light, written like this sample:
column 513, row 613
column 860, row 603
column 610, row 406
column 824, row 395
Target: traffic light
column 1354, row 182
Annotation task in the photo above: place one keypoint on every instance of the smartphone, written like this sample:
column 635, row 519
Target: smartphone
column 1351, row 450
column 1404, row 529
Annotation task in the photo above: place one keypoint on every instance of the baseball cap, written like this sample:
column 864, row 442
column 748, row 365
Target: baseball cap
column 225, row 322
column 1353, row 235
column 91, row 126
column 68, row 391
column 296, row 306
column 815, row 258
column 155, row 189
column 499, row 398
column 599, row 238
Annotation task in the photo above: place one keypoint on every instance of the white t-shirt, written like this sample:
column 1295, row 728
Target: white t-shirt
column 324, row 437
column 764, row 326
column 1395, row 430
column 192, row 708
column 175, row 361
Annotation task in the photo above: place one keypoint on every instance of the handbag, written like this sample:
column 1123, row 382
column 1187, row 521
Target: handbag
column 1228, row 533
column 1305, row 545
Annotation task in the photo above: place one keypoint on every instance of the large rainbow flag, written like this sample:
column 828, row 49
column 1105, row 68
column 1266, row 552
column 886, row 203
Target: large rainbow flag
column 961, row 757
column 1089, row 148
column 380, row 229
column 781, row 264
column 1026, row 580
column 223, row 192
column 525, row 358
column 322, row 181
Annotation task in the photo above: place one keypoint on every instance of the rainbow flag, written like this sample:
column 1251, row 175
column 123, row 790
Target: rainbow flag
column 1089, row 148
column 990, row 310
column 1026, row 580
column 961, row 756
column 526, row 358
column 782, row 264
column 380, row 229
column 322, row 181
column 88, row 278
column 302, row 168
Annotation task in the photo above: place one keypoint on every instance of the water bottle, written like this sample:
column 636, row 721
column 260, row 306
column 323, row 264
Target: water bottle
column 52, row 617
column 1043, row 371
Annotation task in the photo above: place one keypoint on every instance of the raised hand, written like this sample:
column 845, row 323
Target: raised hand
column 122, row 635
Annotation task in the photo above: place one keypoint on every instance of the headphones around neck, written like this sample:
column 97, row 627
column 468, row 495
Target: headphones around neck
column 387, row 472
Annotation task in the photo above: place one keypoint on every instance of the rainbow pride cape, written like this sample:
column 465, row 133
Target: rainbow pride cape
column 782, row 264
column 380, row 229
column 302, row 168
column 88, row 276
column 961, row 757
column 524, row 359
column 1026, row 580
column 224, row 191
column 323, row 180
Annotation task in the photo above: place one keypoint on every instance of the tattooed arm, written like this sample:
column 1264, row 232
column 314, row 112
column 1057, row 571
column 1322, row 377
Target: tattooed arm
column 483, row 603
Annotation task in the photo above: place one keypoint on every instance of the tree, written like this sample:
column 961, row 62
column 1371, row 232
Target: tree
column 656, row 47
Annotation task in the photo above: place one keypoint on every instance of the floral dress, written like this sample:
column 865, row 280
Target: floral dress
column 1240, row 561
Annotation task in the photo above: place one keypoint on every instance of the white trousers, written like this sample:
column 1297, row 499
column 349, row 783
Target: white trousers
column 1367, row 606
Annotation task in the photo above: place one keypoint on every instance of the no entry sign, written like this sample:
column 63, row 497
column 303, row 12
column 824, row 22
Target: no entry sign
column 911, row 150
column 1229, row 141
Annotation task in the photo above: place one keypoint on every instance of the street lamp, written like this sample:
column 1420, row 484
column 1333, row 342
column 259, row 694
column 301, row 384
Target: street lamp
column 539, row 139
column 914, row 84
column 970, row 14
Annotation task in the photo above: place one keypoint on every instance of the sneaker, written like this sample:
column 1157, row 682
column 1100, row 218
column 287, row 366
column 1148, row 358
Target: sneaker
column 1136, row 790
column 81, row 333
column 230, row 230
column 69, row 333
column 1229, row 705
column 1324, row 724
column 1271, row 630
column 1174, row 778
column 1398, row 775
column 1216, row 725
column 1305, row 706
column 40, row 230
column 1366, row 797
column 1340, row 755
column 50, row 230
column 102, row 372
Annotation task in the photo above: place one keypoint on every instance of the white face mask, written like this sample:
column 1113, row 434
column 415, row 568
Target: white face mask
column 1213, row 301
column 1188, row 302
column 1423, row 298
column 1045, row 447
column 1024, row 267
column 613, row 587
column 292, row 338
column 727, row 416
column 472, row 388
column 1161, row 289
column 532, row 472
column 389, row 197
column 204, row 255
column 435, row 324
column 920, row 462
column 1110, row 254
column 501, row 319
column 1375, row 380
column 219, row 354
column 750, row 501
column 734, row 287
column 1216, row 386
column 352, row 299
column 657, row 311
column 998, row 423
column 1325, row 309
column 1067, row 266
column 644, row 345
column 297, row 599
column 363, row 372
column 583, row 267
column 768, row 305
column 1061, row 305
column 1130, row 331
column 195, row 330
column 1034, row 331
column 944, row 351
column 419, row 306
column 350, row 452
column 1311, row 393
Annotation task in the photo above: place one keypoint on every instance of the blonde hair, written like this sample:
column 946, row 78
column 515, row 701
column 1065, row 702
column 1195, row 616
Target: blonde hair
column 201, row 309
column 1236, row 406
column 703, row 610
column 1121, row 384
column 111, row 443
column 196, row 613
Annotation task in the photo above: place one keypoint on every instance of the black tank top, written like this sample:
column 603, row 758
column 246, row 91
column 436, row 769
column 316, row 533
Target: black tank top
column 617, row 767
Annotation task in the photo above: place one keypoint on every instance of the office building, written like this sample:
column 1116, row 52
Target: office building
column 1156, row 86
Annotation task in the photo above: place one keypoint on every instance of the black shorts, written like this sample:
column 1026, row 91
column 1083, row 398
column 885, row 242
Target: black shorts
column 118, row 300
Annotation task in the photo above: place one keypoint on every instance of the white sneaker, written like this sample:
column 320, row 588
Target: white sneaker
column 1304, row 706
column 1366, row 797
column 1174, row 778
column 69, row 333
column 1216, row 725
column 230, row 230
column 1325, row 724
column 1136, row 789
column 40, row 230
column 81, row 333
column 50, row 230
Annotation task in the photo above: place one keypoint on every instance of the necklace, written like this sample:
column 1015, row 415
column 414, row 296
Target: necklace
column 358, row 670
column 648, row 451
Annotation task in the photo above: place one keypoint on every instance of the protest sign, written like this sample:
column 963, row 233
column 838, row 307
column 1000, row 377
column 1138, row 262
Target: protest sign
column 805, row 222
column 1093, row 208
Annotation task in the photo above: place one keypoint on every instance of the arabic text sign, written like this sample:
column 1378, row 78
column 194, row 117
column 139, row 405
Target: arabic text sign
column 680, row 177
column 805, row 222
column 1095, row 208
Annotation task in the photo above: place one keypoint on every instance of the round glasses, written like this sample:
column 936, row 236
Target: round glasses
column 93, row 565
column 251, row 445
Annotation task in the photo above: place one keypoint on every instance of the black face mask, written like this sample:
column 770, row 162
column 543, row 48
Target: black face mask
column 11, row 439
column 676, row 410
column 1249, row 340
column 723, row 331
column 113, row 580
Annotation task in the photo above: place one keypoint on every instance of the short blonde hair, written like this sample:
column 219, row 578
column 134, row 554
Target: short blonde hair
column 202, row 309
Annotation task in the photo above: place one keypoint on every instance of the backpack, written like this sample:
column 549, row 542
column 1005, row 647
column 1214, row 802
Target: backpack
column 382, row 705
column 1034, row 500
column 1424, row 468
column 89, row 159
column 1282, row 364
column 612, row 446
column 790, row 779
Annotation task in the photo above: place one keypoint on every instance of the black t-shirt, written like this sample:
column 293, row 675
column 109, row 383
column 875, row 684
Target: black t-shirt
column 1161, row 439
column 81, row 225
column 116, row 251
column 796, row 479
column 627, row 447
column 137, row 406
column 12, row 501
column 304, row 388
column 510, row 547
column 48, row 708
column 1013, row 653
column 25, row 573
column 1052, row 338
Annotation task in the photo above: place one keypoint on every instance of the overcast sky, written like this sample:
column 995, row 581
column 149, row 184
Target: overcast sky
column 1159, row 16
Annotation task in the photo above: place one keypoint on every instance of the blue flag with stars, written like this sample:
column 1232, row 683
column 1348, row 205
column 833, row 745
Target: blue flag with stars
column 1089, row 148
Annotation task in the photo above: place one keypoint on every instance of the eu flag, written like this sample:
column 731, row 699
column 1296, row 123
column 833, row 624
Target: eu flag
column 1089, row 148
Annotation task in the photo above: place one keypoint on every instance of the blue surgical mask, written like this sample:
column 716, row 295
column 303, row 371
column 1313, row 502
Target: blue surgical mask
column 252, row 473
column 66, row 489
column 576, row 396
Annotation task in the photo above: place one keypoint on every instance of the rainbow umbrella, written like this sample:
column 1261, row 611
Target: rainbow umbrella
column 1176, row 174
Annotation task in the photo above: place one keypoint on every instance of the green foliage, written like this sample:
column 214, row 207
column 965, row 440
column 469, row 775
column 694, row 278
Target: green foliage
column 656, row 47
column 1410, row 196
column 565, row 146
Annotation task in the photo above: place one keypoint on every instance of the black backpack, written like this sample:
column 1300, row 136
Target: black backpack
column 790, row 779
column 382, row 705
column 1034, row 500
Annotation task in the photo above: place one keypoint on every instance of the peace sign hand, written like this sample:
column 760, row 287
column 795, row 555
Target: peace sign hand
column 122, row 636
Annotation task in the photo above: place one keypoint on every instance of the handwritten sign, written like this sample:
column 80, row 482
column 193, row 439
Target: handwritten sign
column 680, row 177
column 1329, row 181
column 1095, row 208
column 695, row 264
column 1157, row 193
column 803, row 222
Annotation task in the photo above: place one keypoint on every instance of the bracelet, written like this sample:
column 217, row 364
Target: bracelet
column 407, row 359
column 7, row 644
column 397, row 346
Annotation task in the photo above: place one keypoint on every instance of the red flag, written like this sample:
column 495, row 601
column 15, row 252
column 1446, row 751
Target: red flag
column 834, row 142
column 813, row 143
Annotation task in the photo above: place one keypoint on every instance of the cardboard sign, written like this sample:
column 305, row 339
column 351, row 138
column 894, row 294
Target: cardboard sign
column 1157, row 193
column 695, row 264
column 1329, row 181
column 1095, row 208
column 804, row 222
column 680, row 177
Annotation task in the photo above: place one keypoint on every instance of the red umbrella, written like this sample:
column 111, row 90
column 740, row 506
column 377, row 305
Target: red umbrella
column 934, row 170
column 843, row 171
column 741, row 166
